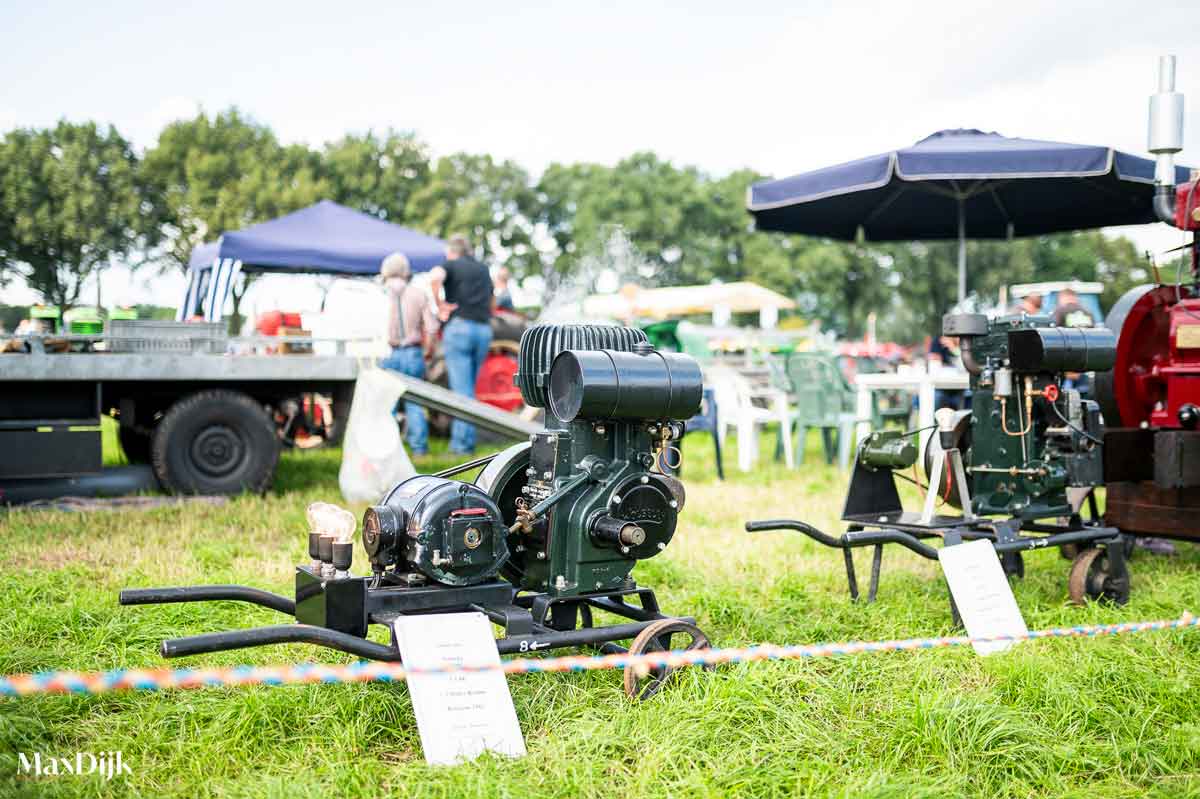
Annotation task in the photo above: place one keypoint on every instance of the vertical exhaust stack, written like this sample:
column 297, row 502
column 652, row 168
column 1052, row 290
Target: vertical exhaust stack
column 1165, row 137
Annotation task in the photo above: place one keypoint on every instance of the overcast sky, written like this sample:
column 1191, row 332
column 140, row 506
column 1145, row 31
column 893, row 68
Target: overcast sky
column 779, row 87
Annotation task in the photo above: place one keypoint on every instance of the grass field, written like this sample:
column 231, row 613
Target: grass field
column 1089, row 718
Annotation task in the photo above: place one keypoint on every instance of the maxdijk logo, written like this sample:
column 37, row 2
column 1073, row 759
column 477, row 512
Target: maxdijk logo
column 105, row 764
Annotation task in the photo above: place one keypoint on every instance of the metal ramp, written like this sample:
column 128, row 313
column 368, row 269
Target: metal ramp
column 489, row 417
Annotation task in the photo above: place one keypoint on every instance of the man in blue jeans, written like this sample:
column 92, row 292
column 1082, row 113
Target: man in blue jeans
column 466, row 310
column 410, row 335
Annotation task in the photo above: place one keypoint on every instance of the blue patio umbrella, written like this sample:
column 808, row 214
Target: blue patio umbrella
column 960, row 184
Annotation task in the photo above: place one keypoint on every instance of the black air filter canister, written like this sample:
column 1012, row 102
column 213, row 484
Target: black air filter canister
column 1062, row 349
column 540, row 344
column 606, row 384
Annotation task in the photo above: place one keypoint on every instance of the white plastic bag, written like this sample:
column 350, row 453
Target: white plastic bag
column 373, row 455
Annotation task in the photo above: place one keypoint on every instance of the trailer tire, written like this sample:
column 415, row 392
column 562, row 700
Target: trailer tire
column 215, row 442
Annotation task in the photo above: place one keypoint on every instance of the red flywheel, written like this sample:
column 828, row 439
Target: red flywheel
column 1137, row 384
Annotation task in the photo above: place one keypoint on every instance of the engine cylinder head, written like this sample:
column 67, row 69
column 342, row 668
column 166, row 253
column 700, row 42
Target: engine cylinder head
column 540, row 345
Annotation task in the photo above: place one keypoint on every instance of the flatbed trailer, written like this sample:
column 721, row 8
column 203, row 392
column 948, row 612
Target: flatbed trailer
column 203, row 414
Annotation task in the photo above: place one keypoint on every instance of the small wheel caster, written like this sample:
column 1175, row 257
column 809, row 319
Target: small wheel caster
column 1096, row 575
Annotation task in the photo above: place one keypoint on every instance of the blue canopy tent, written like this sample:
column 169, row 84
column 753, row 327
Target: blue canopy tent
column 963, row 183
column 325, row 238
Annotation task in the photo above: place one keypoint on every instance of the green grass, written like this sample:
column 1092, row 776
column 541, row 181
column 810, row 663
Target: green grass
column 1089, row 718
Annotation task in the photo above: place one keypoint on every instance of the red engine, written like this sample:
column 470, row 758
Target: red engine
column 1151, row 398
column 1151, row 401
column 1155, row 381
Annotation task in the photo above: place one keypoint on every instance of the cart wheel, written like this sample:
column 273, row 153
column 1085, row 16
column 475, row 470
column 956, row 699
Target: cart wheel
column 1094, row 576
column 657, row 638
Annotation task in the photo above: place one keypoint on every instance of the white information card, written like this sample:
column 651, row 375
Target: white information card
column 981, row 591
column 459, row 715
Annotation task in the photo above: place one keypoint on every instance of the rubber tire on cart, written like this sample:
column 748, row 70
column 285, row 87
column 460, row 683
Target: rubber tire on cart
column 215, row 442
column 134, row 444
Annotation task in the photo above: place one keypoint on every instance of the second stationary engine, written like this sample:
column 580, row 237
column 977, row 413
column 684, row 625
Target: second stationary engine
column 1028, row 436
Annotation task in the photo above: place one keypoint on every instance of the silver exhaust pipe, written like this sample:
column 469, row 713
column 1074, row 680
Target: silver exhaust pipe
column 1165, row 137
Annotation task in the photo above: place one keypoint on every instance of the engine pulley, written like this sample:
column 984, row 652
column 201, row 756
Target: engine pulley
column 640, row 518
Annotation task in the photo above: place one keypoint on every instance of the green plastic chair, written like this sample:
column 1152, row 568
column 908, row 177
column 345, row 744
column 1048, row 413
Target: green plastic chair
column 825, row 401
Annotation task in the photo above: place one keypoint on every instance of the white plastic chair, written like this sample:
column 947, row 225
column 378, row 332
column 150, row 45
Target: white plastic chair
column 747, row 409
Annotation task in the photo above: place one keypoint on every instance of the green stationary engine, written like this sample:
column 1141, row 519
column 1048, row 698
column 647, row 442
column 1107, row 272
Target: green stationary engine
column 1018, row 464
column 1027, row 438
column 571, row 511
column 582, row 499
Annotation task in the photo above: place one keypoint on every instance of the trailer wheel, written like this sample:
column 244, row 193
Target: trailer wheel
column 134, row 444
column 215, row 442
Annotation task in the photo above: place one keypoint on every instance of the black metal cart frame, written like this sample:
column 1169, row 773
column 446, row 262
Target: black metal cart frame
column 336, row 614
column 1009, row 537
column 875, row 517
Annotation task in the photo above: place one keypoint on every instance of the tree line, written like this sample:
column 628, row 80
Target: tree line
column 77, row 197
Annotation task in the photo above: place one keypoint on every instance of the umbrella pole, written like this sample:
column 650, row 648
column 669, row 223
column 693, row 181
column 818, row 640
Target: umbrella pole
column 962, row 251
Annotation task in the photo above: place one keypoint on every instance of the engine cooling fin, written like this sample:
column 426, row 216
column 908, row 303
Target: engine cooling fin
column 541, row 343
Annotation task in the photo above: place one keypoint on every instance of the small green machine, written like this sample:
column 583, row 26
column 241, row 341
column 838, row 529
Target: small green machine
column 1015, row 468
column 587, row 503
